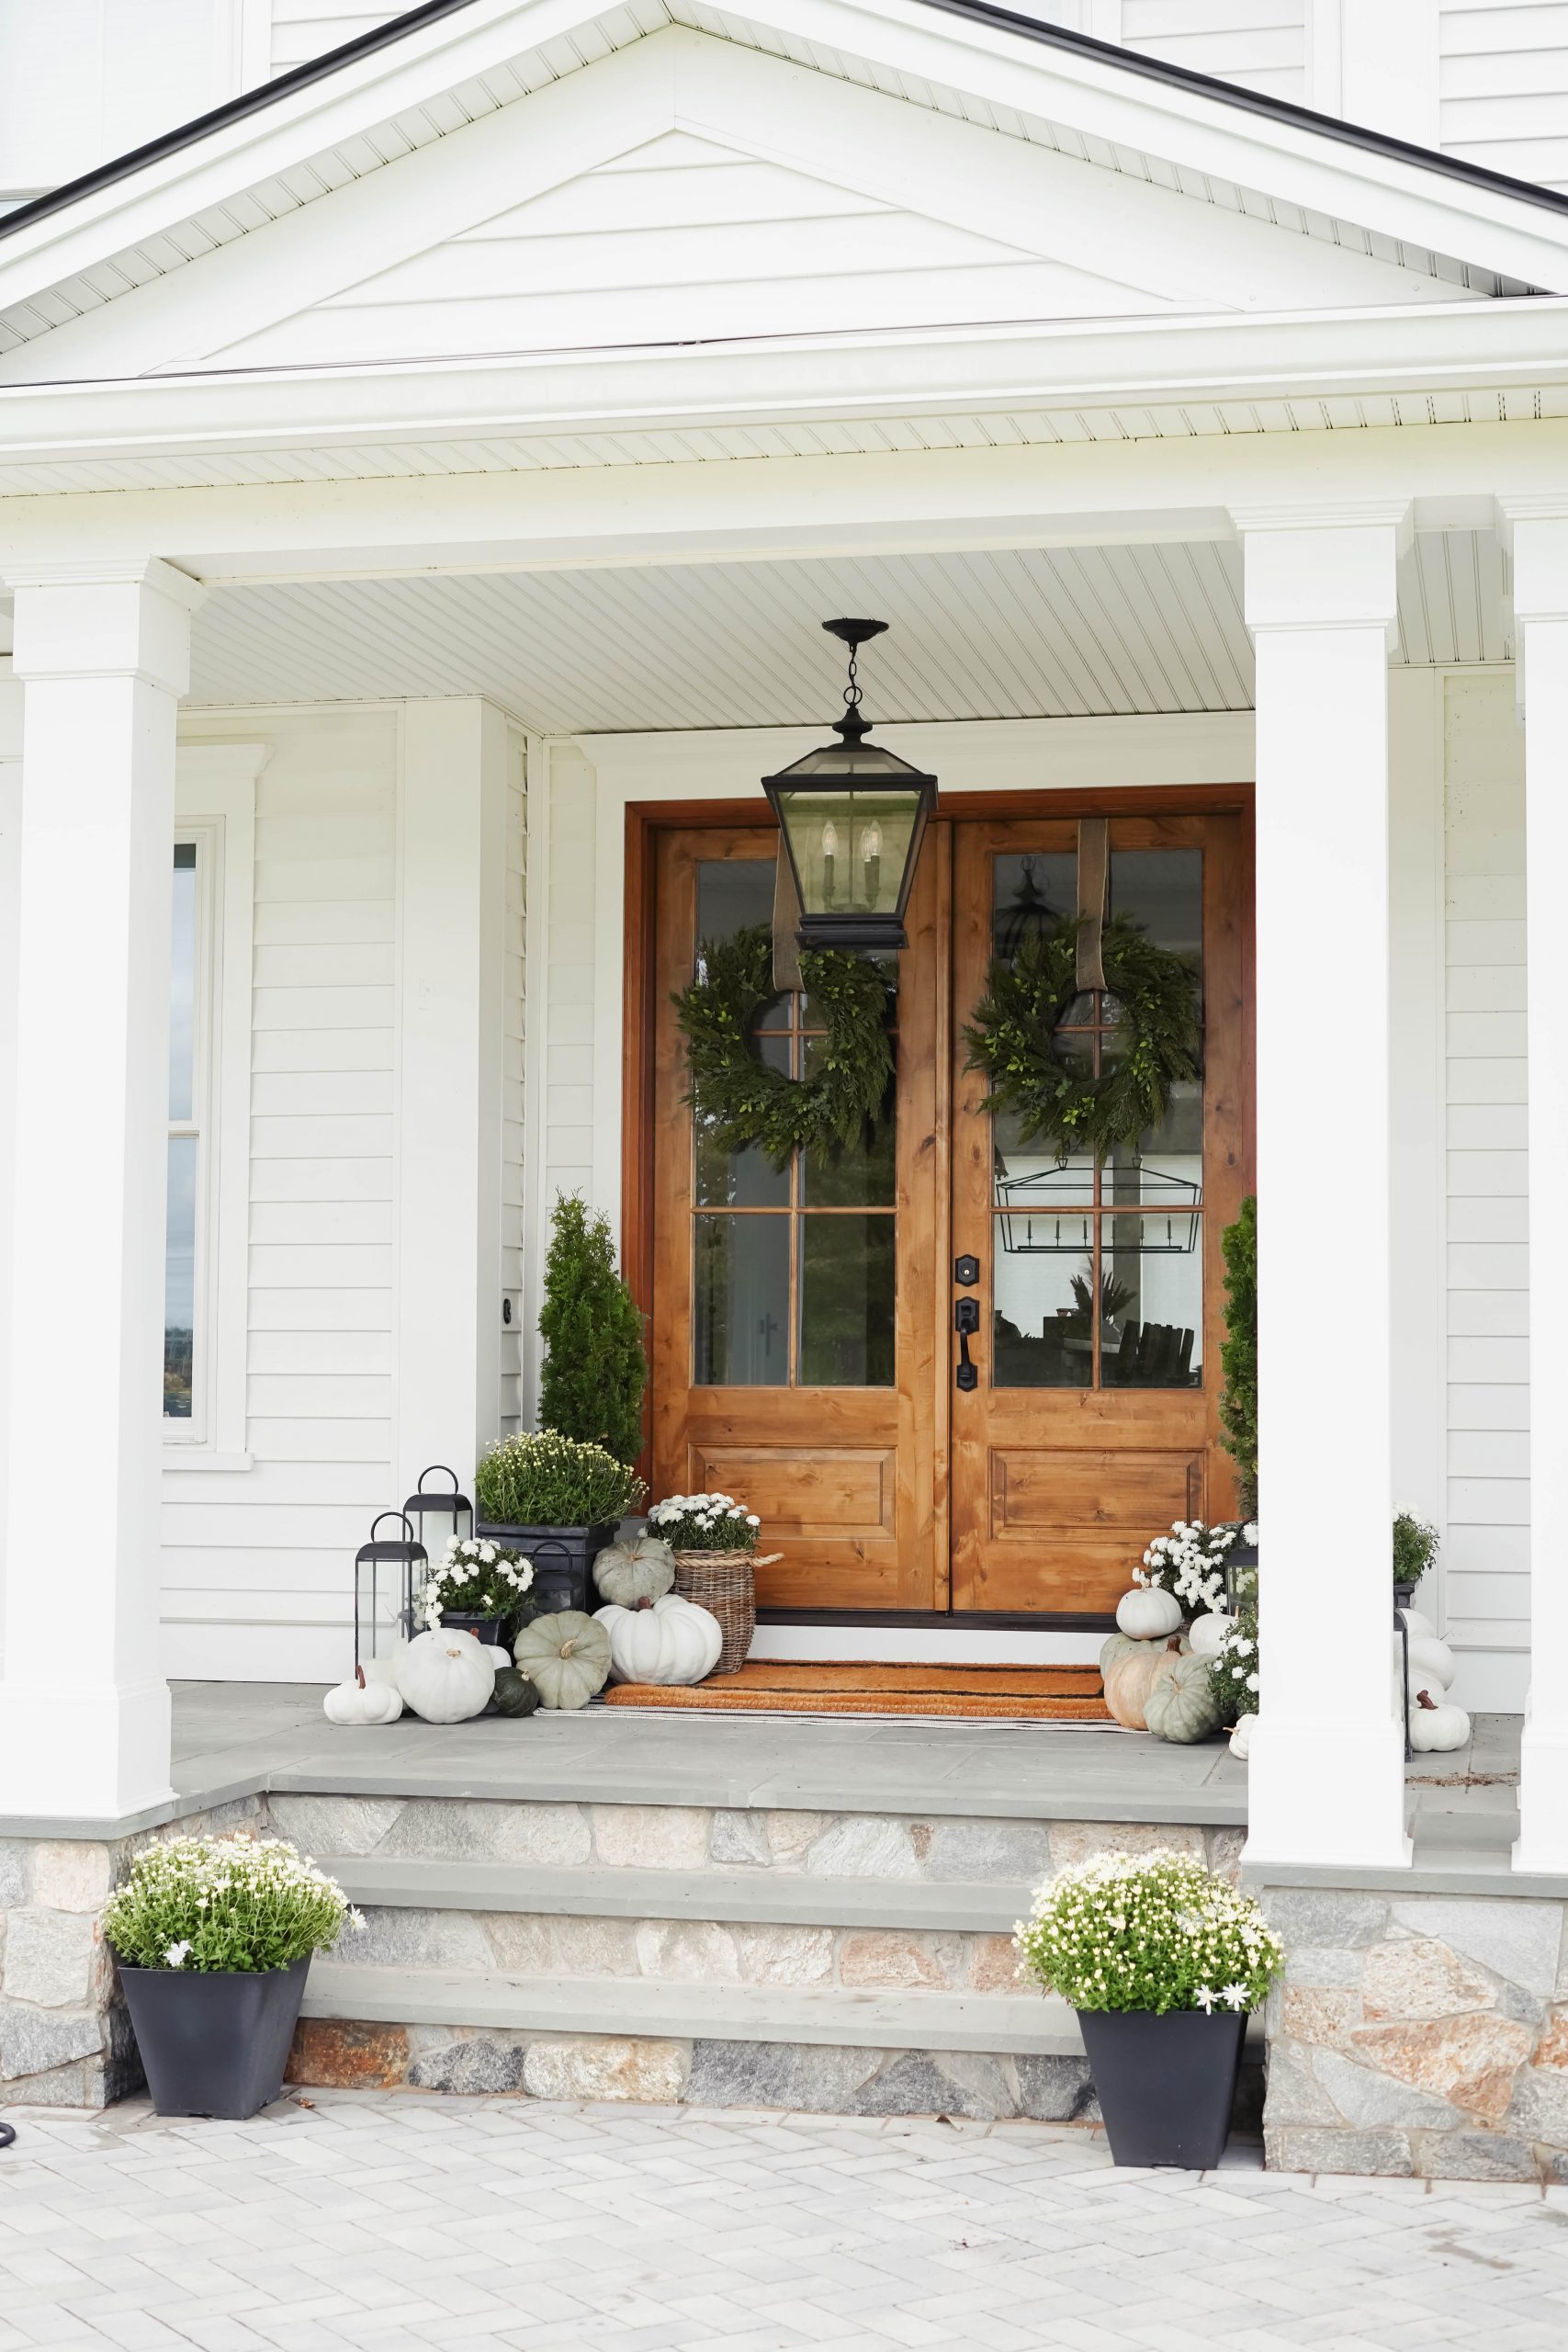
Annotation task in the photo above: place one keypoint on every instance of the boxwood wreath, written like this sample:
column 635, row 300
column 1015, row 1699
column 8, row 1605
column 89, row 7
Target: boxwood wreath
column 745, row 1102
column 1057, row 1100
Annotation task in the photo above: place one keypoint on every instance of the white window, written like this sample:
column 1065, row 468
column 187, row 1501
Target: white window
column 208, row 1109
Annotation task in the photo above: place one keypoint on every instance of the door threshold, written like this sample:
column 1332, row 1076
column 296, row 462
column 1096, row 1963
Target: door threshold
column 893, row 1638
column 1042, row 1621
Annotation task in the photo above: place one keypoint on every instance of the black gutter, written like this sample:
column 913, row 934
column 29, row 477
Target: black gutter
column 978, row 12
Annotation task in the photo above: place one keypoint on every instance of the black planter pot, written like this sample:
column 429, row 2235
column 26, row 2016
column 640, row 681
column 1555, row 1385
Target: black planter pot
column 1165, row 2084
column 563, row 1561
column 490, row 1631
column 218, row 2043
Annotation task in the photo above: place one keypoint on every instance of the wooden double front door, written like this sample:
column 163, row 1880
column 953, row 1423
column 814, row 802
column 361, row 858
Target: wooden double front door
column 808, row 1348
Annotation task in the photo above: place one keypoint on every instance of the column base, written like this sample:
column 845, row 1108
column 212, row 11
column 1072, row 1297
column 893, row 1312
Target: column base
column 1327, row 1795
column 74, row 1752
column 1543, row 1844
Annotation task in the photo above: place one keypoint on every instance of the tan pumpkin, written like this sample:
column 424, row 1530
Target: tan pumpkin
column 1130, row 1679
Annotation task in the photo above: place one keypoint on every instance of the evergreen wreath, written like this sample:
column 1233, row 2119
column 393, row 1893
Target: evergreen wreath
column 1057, row 1100
column 748, row 1103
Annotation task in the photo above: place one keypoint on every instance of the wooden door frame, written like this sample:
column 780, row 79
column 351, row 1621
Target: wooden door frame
column 644, row 820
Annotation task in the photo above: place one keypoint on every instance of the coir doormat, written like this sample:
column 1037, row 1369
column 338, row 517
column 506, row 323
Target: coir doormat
column 852, row 1687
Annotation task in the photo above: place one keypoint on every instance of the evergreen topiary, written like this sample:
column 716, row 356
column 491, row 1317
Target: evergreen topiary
column 595, row 1370
column 1238, row 1356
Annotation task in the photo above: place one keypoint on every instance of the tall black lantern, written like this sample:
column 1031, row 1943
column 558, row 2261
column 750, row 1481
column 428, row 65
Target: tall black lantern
column 444, row 1505
column 851, row 817
column 384, row 1571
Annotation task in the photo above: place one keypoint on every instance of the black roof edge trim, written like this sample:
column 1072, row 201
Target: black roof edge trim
column 980, row 12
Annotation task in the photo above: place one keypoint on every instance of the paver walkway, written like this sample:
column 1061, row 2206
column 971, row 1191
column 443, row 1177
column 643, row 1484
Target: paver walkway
column 398, row 2223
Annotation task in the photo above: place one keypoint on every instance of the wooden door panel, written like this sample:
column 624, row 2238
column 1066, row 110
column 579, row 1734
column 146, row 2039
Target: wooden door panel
column 1035, row 1491
column 807, row 1493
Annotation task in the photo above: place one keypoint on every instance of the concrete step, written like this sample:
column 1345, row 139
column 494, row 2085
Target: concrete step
column 784, row 1898
column 1001, row 2023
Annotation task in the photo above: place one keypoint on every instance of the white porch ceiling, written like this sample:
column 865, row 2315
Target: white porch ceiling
column 1013, row 634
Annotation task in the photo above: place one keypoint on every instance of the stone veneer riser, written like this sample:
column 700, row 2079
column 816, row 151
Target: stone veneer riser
column 1420, row 2034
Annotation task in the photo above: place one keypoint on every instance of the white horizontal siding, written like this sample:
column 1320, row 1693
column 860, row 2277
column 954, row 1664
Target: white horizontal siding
column 1502, row 86
column 1261, row 44
column 1486, row 1591
column 258, row 1567
column 303, row 29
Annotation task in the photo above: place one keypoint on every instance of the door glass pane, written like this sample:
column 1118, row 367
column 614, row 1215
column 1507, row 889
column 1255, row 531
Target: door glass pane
column 846, row 1302
column 741, row 1318
column 1163, row 890
column 860, row 1175
column 182, row 983
column 734, row 894
column 1032, row 893
column 741, row 1180
column 1041, row 1300
column 179, row 1278
column 1030, row 1183
column 1151, row 1333
column 1165, row 1169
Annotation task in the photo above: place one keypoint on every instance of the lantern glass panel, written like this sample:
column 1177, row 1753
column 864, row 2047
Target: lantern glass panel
column 851, row 850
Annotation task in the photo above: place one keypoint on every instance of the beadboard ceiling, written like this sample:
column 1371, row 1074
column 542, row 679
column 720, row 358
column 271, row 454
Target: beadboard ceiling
column 1013, row 634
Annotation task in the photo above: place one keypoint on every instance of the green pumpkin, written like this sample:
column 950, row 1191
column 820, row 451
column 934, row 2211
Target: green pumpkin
column 1183, row 1705
column 567, row 1654
column 1117, row 1645
column 630, row 1573
column 514, row 1694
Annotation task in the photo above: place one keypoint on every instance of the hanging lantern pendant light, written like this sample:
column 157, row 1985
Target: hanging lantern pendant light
column 851, row 816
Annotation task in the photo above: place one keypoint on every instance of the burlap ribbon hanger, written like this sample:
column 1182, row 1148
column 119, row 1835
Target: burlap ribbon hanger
column 1094, row 875
column 786, row 922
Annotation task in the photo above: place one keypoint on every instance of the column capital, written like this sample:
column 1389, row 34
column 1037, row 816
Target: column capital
column 1322, row 567
column 122, row 617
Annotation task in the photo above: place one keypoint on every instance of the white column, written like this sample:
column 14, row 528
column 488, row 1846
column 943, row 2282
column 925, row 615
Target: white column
column 84, row 1707
column 10, row 898
column 1328, row 1778
column 452, row 945
column 1540, row 644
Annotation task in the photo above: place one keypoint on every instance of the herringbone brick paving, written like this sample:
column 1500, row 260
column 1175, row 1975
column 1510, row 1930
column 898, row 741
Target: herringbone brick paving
column 400, row 2223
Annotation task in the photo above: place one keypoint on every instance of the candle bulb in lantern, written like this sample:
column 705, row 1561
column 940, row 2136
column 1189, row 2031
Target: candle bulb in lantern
column 870, row 853
column 829, row 851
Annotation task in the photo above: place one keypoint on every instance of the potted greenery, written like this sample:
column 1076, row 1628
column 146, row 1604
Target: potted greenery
column 1414, row 1549
column 1162, row 1961
column 596, row 1371
column 558, row 1500
column 713, row 1539
column 213, row 1936
column 481, row 1587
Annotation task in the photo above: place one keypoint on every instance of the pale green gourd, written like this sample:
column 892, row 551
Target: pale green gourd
column 1116, row 1645
column 627, row 1574
column 567, row 1654
column 1182, row 1706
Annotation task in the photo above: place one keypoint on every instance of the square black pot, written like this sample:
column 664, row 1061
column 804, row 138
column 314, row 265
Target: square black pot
column 563, row 1560
column 214, row 2042
column 1166, row 2084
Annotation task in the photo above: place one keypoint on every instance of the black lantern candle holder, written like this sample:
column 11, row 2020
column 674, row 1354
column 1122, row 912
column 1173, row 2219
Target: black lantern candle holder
column 386, row 1568
column 439, row 1502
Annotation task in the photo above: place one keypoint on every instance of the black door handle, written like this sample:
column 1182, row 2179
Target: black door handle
column 966, row 1320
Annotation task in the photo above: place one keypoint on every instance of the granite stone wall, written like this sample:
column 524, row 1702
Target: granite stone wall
column 65, row 2040
column 1421, row 2034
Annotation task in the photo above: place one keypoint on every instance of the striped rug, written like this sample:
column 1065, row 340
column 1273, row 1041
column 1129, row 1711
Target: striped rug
column 854, row 1687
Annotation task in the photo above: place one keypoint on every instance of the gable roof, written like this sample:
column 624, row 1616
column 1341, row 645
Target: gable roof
column 409, row 21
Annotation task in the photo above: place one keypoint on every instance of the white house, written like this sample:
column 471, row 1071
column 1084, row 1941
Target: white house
column 422, row 476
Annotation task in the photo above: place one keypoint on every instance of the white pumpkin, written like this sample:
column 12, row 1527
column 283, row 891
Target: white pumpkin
column 665, row 1641
column 361, row 1702
column 1148, row 1613
column 384, row 1670
column 1241, row 1737
column 1206, row 1634
column 1430, row 1660
column 447, row 1677
column 1435, row 1726
column 1417, row 1621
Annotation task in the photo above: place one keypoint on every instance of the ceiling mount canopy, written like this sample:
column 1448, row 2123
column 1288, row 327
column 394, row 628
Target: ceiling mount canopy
column 851, row 815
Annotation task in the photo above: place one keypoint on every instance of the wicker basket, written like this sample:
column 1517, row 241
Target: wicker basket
column 724, row 1582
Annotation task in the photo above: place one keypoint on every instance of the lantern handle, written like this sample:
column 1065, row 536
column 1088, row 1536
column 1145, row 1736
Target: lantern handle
column 446, row 1471
column 407, row 1521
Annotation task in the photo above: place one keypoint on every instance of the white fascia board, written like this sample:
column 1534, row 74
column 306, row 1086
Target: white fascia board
column 1104, row 100
column 1139, row 363
column 907, row 501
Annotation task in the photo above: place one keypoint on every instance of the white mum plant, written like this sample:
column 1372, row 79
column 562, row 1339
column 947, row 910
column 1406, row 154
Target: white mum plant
column 240, row 1903
column 476, row 1577
column 1191, row 1563
column 705, row 1524
column 1148, row 1931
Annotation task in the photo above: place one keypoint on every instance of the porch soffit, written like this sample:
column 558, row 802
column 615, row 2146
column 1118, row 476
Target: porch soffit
column 1013, row 634
column 255, row 181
